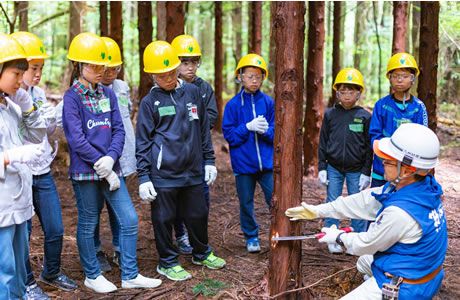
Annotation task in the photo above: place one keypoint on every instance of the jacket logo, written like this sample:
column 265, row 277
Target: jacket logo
column 92, row 123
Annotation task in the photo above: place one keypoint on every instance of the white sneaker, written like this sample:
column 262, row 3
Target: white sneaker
column 100, row 285
column 334, row 248
column 140, row 282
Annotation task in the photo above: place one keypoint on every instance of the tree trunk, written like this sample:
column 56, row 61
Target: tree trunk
column 218, row 63
column 116, row 27
column 374, row 10
column 103, row 18
column 428, row 61
column 360, row 30
column 22, row 9
column 314, row 106
column 271, row 63
column 415, row 28
column 161, row 20
column 175, row 19
column 256, row 27
column 237, row 20
column 284, row 264
column 336, row 47
column 145, row 26
column 399, row 26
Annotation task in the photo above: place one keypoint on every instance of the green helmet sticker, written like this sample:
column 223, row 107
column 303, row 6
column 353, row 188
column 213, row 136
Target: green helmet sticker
column 103, row 55
column 110, row 57
column 166, row 62
column 42, row 50
column 190, row 49
column 349, row 77
column 259, row 62
column 402, row 60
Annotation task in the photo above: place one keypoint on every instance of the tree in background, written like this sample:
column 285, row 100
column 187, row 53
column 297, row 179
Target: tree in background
column 22, row 9
column 428, row 58
column 170, row 20
column 218, row 63
column 116, row 27
column 400, row 15
column 288, row 25
column 145, row 27
column 255, row 24
column 336, row 46
column 103, row 18
column 314, row 86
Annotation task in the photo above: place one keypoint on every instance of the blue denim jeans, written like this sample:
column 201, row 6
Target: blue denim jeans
column 14, row 251
column 245, row 187
column 48, row 209
column 334, row 190
column 90, row 197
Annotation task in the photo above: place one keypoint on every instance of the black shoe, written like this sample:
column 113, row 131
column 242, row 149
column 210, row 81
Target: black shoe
column 116, row 258
column 61, row 282
column 103, row 261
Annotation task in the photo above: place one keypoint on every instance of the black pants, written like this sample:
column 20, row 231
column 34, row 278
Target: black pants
column 190, row 205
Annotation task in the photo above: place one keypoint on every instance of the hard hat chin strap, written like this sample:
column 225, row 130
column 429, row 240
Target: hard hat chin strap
column 398, row 179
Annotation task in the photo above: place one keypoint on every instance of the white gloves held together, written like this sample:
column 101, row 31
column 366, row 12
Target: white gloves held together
column 114, row 181
column 103, row 166
column 259, row 125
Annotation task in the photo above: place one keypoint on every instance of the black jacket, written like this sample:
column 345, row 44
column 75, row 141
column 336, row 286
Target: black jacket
column 173, row 137
column 209, row 99
column 344, row 140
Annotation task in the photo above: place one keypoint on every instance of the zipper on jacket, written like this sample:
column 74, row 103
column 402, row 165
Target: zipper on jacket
column 344, row 145
column 172, row 98
column 255, row 134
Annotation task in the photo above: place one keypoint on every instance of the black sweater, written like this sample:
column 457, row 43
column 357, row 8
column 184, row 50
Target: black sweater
column 344, row 140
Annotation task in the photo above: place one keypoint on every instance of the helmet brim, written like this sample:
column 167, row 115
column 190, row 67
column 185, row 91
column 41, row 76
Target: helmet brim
column 379, row 152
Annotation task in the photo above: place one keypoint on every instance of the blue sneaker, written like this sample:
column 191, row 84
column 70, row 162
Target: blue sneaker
column 253, row 245
column 183, row 245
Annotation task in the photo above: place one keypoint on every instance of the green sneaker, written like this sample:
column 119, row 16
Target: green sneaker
column 176, row 273
column 211, row 262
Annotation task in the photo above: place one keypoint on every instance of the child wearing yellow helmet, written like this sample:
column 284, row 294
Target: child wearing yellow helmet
column 95, row 135
column 20, row 121
column 173, row 142
column 397, row 108
column 344, row 151
column 248, row 125
column 189, row 53
column 45, row 195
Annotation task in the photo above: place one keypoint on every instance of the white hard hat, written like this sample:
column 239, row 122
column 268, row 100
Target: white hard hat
column 412, row 144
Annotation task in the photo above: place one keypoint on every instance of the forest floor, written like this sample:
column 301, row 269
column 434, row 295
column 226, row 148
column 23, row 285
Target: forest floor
column 328, row 276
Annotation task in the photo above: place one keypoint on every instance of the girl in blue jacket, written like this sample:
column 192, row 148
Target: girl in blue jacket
column 248, row 127
column 95, row 135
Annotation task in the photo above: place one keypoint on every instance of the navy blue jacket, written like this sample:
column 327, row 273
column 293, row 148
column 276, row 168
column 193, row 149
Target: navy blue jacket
column 250, row 152
column 209, row 99
column 173, row 137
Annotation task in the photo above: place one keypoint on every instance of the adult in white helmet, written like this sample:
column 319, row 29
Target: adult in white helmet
column 404, row 249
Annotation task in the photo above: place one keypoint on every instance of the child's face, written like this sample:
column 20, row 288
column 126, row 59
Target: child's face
column 167, row 81
column 348, row 96
column 33, row 75
column 188, row 68
column 110, row 74
column 11, row 80
column 251, row 79
column 93, row 73
column 401, row 80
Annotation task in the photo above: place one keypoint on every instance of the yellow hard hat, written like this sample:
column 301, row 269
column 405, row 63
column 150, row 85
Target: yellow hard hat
column 186, row 46
column 349, row 76
column 10, row 49
column 401, row 61
column 252, row 60
column 31, row 43
column 114, row 53
column 160, row 57
column 88, row 48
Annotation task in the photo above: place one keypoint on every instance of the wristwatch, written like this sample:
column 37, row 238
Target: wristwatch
column 339, row 241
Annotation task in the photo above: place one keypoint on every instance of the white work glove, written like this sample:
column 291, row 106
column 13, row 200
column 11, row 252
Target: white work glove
column 113, row 181
column 23, row 100
column 303, row 212
column 331, row 234
column 48, row 111
column 259, row 125
column 103, row 166
column 322, row 177
column 147, row 192
column 210, row 174
column 26, row 154
column 364, row 182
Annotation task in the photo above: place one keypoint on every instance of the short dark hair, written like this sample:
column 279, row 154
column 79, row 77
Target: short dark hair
column 190, row 58
column 20, row 64
column 350, row 86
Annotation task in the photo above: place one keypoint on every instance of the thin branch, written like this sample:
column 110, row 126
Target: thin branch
column 54, row 16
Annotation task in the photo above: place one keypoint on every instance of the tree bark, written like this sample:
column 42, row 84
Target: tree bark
column 399, row 26
column 336, row 47
column 116, row 27
column 103, row 18
column 271, row 63
column 161, row 20
column 175, row 19
column 415, row 28
column 374, row 10
column 218, row 63
column 145, row 26
column 237, row 20
column 428, row 61
column 314, row 106
column 22, row 8
column 360, row 30
column 256, row 27
column 284, row 262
